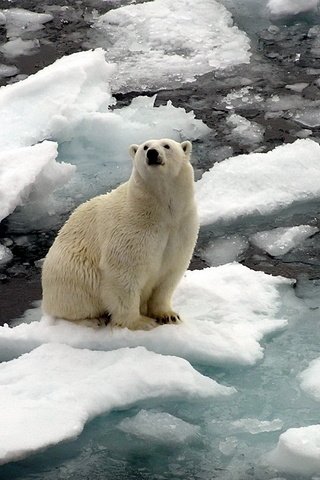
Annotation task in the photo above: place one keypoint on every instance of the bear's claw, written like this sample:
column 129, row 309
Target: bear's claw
column 165, row 319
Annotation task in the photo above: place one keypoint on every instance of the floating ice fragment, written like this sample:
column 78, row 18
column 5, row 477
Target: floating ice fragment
column 19, row 21
column 17, row 47
column 171, row 42
column 291, row 7
column 224, row 250
column 5, row 255
column 244, row 131
column 8, row 70
column 159, row 427
column 309, row 117
column 260, row 183
column 49, row 394
column 254, row 425
column 228, row 446
column 281, row 240
column 310, row 379
column 226, row 311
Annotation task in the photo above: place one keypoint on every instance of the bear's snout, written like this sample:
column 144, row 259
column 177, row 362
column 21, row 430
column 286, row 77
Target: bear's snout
column 153, row 157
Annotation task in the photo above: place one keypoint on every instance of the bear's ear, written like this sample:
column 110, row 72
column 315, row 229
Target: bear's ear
column 133, row 150
column 187, row 147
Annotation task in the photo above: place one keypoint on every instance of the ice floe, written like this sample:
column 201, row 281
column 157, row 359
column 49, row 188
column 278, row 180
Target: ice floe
column 50, row 393
column 227, row 310
column 19, row 21
column 281, row 240
column 159, row 427
column 163, row 43
column 298, row 451
column 30, row 173
column 291, row 7
column 260, row 183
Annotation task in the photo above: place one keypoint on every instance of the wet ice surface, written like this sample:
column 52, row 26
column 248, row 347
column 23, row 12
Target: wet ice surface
column 278, row 392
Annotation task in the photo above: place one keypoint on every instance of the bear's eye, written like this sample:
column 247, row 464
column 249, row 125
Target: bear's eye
column 145, row 147
column 167, row 146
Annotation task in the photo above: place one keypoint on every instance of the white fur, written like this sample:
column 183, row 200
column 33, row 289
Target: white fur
column 123, row 253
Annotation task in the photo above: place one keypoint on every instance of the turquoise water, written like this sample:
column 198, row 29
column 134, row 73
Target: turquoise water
column 268, row 391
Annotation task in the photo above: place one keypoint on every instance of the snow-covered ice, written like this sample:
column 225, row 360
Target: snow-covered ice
column 227, row 310
column 30, row 173
column 159, row 427
column 163, row 43
column 291, row 7
column 59, row 94
column 281, row 240
column 71, row 102
column 310, row 379
column 260, row 183
column 298, row 451
column 49, row 394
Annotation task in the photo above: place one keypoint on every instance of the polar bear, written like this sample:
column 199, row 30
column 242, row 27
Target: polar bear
column 120, row 255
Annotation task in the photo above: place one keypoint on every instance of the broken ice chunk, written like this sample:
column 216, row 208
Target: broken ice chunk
column 159, row 427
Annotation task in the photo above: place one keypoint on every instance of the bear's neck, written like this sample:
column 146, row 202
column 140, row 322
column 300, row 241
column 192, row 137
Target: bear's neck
column 175, row 196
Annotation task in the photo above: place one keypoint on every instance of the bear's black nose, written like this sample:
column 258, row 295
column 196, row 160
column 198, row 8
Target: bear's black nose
column 153, row 157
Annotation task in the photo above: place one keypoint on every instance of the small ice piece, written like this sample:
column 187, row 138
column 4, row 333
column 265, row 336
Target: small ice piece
column 281, row 240
column 17, row 47
column 49, row 394
column 244, row 131
column 244, row 96
column 254, row 425
column 171, row 42
column 159, row 427
column 225, row 250
column 5, row 255
column 310, row 379
column 309, row 117
column 259, row 183
column 19, row 21
column 297, row 87
column 298, row 451
column 30, row 173
column 291, row 7
column 228, row 446
column 8, row 70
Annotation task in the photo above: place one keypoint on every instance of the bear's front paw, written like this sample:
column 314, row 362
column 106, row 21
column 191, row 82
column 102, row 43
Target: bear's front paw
column 164, row 318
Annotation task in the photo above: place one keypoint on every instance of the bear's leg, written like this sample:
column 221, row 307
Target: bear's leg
column 123, row 303
column 159, row 304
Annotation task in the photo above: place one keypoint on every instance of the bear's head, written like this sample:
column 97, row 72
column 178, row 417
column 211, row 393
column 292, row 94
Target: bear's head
column 155, row 157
